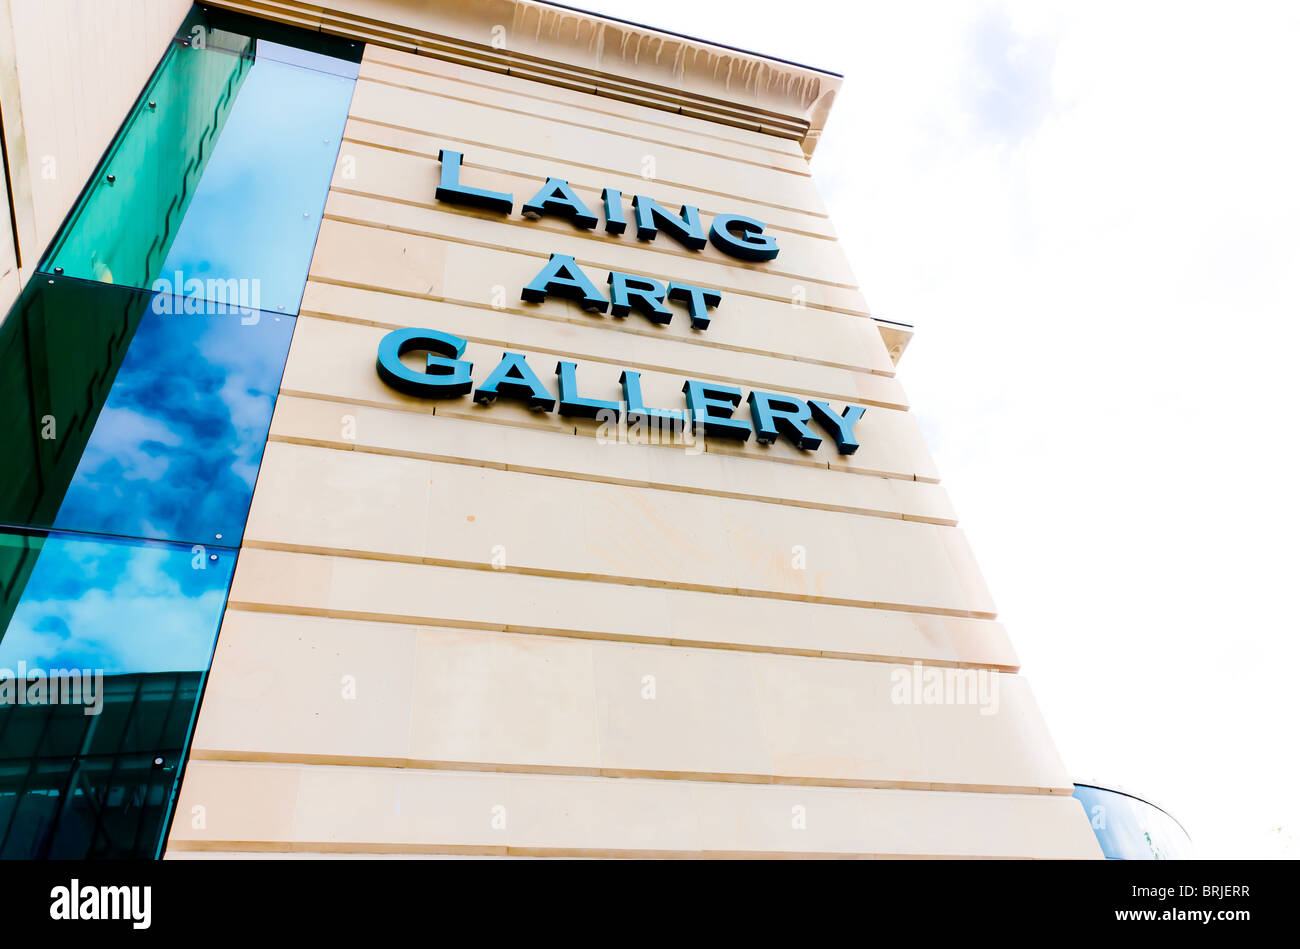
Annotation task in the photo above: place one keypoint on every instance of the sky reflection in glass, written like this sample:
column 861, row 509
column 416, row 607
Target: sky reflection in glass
column 118, row 606
column 176, row 449
column 134, row 429
column 1129, row 828
column 257, row 209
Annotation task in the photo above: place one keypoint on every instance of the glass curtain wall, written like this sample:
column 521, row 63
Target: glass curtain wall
column 138, row 374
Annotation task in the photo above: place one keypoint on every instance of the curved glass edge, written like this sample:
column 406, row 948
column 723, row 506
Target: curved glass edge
column 1129, row 828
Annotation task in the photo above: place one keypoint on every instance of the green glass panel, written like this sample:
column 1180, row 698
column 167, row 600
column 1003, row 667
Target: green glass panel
column 18, row 553
column 60, row 350
column 129, row 414
column 128, row 216
column 134, row 414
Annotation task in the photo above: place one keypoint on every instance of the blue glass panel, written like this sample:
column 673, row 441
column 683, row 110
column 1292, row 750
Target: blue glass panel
column 177, row 446
column 1129, row 828
column 259, row 204
column 93, row 771
column 257, row 209
column 117, row 606
column 134, row 414
column 138, row 375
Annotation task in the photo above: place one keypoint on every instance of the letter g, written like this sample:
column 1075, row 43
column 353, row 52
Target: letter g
column 444, row 376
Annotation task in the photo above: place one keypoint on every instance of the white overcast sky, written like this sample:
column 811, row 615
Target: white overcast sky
column 1090, row 212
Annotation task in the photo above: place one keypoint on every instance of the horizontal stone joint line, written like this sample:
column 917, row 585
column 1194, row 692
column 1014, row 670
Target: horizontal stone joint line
column 401, row 619
column 749, row 382
column 489, row 419
column 543, row 255
column 595, row 236
column 571, row 475
column 488, row 767
column 181, row 845
column 640, row 139
column 619, row 327
column 558, row 159
column 612, row 579
column 480, row 166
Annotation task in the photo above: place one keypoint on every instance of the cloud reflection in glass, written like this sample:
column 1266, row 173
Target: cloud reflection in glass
column 175, row 450
column 118, row 606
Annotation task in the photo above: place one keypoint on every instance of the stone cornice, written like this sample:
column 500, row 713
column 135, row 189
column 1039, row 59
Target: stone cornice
column 586, row 52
